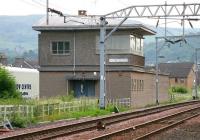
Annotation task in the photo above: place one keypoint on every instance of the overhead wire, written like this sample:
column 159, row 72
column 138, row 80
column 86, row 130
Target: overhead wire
column 36, row 2
column 32, row 4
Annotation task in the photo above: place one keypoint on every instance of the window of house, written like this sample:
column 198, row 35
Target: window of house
column 182, row 80
column 176, row 80
column 60, row 47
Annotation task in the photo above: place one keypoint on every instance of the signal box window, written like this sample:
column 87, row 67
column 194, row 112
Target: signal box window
column 60, row 47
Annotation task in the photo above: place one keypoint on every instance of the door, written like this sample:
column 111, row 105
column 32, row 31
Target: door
column 84, row 88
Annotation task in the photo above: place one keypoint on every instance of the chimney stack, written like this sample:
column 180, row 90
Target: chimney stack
column 82, row 12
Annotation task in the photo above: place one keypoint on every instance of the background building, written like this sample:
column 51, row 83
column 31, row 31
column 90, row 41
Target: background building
column 180, row 74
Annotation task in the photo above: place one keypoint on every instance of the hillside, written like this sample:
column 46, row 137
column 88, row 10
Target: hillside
column 18, row 39
column 16, row 34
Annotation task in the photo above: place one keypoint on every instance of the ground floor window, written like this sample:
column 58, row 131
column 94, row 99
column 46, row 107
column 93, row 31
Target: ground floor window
column 137, row 85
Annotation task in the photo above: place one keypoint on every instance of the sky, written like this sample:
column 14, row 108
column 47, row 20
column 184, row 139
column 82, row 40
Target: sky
column 29, row 7
column 70, row 7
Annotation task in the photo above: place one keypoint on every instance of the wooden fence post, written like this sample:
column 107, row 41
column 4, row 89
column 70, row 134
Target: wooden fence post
column 27, row 110
column 43, row 113
column 4, row 113
column 32, row 112
column 58, row 108
column 48, row 109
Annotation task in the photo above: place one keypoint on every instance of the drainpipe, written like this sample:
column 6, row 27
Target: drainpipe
column 74, row 63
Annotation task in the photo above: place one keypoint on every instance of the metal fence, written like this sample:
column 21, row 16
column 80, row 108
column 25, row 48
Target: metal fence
column 123, row 102
column 43, row 110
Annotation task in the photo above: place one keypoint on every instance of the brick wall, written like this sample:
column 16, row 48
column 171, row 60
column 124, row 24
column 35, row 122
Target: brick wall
column 148, row 94
column 84, row 43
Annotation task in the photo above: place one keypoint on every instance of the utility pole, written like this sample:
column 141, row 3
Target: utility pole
column 165, row 18
column 47, row 12
column 102, row 62
column 196, row 72
column 141, row 11
column 157, row 102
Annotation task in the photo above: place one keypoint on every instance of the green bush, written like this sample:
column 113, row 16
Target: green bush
column 178, row 89
column 21, row 122
column 7, row 85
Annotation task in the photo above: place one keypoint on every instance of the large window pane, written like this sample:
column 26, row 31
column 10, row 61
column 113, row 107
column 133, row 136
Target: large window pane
column 122, row 44
column 141, row 44
column 137, row 44
column 132, row 43
column 66, row 47
column 60, row 47
column 54, row 47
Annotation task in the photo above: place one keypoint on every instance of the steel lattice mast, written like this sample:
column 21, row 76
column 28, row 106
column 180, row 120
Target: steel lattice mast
column 149, row 11
column 182, row 11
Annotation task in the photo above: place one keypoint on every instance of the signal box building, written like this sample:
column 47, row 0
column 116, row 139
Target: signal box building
column 69, row 60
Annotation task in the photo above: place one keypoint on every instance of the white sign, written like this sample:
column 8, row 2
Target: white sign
column 118, row 60
column 27, row 81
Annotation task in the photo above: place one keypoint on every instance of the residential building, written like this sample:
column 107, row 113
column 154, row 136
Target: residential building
column 180, row 74
column 69, row 60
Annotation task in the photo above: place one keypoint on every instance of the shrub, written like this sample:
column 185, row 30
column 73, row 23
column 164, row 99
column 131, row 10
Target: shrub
column 178, row 89
column 21, row 122
column 7, row 85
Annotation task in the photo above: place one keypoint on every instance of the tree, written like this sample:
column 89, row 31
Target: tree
column 8, row 85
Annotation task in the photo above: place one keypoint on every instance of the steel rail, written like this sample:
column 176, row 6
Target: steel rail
column 91, row 124
column 166, row 127
column 152, row 122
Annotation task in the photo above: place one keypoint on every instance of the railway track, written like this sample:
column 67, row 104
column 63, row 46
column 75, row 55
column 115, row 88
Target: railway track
column 148, row 129
column 53, row 132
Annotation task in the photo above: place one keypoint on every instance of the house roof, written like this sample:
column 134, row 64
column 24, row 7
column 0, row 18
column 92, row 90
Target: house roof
column 88, row 23
column 23, row 63
column 179, row 70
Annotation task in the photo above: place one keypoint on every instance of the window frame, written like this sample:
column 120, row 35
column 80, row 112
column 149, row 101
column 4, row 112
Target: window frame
column 136, row 48
column 57, row 42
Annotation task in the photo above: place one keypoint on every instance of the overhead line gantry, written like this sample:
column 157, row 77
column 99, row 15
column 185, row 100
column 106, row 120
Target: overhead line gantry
column 183, row 11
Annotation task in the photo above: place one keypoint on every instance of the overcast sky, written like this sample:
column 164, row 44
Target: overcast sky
column 93, row 7
column 28, row 7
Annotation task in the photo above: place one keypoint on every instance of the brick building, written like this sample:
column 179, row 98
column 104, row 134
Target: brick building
column 69, row 60
column 180, row 74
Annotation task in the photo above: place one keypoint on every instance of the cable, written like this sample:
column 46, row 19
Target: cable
column 58, row 7
column 32, row 4
column 41, row 4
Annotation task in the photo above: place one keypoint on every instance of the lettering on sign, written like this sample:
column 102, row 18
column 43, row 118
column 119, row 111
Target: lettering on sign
column 23, row 86
column 118, row 60
column 24, row 93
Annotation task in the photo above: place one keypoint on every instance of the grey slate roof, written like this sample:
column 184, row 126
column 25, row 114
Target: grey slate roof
column 179, row 70
column 87, row 23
